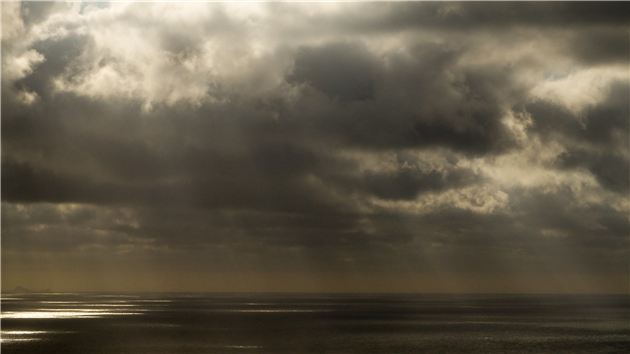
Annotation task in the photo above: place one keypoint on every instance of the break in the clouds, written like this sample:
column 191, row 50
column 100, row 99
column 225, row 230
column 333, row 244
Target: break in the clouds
column 312, row 141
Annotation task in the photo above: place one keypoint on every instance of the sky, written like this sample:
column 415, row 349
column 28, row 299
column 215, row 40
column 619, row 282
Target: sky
column 316, row 147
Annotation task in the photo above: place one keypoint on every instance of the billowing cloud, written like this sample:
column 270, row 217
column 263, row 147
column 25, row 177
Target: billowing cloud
column 316, row 138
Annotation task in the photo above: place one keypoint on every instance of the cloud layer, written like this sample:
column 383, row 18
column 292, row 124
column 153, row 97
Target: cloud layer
column 316, row 138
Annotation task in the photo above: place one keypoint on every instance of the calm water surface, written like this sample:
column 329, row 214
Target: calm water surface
column 271, row 323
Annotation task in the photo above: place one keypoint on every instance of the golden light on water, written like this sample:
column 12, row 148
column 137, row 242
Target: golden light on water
column 63, row 313
column 9, row 340
column 20, row 336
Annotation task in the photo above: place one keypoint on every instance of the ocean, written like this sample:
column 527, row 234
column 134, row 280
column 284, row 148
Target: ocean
column 313, row 323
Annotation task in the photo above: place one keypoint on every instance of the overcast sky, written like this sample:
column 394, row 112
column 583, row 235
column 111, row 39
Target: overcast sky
column 471, row 147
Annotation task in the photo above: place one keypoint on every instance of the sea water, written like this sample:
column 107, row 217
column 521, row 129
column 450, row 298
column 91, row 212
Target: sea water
column 313, row 323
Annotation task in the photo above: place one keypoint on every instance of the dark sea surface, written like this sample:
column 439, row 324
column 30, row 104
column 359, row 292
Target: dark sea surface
column 314, row 323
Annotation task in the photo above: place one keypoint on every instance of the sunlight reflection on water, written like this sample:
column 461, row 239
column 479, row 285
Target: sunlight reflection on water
column 59, row 313
column 11, row 340
column 21, row 332
column 272, row 311
column 24, row 336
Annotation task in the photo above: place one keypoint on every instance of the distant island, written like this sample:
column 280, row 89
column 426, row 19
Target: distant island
column 22, row 290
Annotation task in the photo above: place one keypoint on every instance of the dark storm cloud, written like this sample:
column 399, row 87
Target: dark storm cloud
column 536, row 224
column 345, row 71
column 23, row 183
column 462, row 16
column 59, row 54
column 598, row 125
column 33, row 12
column 463, row 113
column 602, row 46
column 109, row 162
column 406, row 183
column 415, row 101
column 589, row 225
column 612, row 171
column 603, row 127
column 232, row 183
column 617, row 224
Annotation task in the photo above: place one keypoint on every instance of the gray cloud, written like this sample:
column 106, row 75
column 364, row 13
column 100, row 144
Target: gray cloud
column 342, row 71
column 464, row 16
column 604, row 46
column 611, row 170
column 418, row 100
column 407, row 182
column 597, row 125
column 602, row 127
column 60, row 55
column 35, row 12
